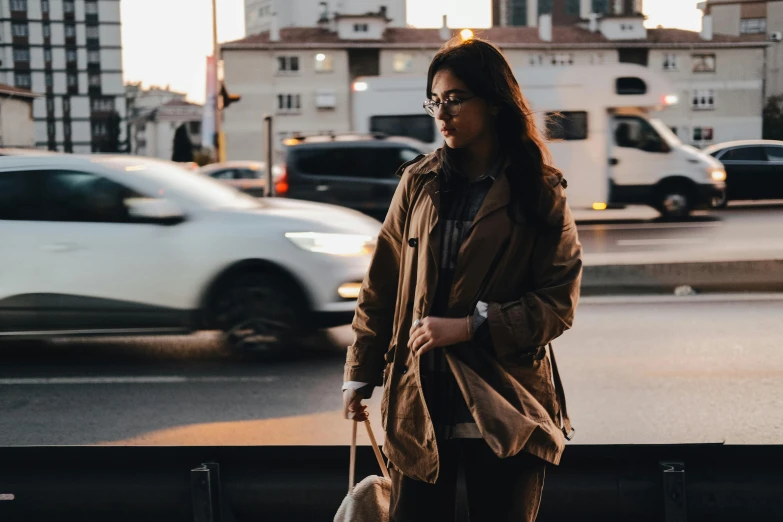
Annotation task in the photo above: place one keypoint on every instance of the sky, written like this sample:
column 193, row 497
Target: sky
column 170, row 47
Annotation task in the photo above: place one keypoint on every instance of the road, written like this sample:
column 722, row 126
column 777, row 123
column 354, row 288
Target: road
column 636, row 370
column 738, row 231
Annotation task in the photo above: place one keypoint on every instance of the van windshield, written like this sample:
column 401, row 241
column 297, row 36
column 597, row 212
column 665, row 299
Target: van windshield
column 666, row 133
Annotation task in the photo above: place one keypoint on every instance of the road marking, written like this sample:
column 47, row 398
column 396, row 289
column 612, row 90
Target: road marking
column 165, row 379
column 647, row 226
column 673, row 299
column 662, row 241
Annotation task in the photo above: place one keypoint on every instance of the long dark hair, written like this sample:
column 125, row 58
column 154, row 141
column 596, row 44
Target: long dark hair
column 485, row 71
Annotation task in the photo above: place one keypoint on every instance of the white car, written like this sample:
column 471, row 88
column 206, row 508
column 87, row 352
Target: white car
column 121, row 245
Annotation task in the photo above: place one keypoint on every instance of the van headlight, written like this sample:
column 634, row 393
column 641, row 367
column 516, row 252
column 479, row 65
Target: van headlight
column 347, row 245
column 718, row 174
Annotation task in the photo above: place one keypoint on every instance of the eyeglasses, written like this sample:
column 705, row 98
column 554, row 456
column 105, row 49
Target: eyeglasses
column 452, row 106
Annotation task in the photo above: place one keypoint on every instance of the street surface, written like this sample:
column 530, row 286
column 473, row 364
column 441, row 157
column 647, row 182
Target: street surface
column 741, row 232
column 636, row 370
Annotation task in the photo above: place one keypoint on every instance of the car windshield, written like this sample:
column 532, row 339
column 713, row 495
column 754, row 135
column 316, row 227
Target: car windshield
column 193, row 186
column 665, row 132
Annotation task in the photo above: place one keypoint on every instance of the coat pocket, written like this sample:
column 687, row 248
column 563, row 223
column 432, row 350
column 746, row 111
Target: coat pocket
column 532, row 369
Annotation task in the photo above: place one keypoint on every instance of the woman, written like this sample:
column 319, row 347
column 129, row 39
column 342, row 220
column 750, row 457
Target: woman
column 477, row 269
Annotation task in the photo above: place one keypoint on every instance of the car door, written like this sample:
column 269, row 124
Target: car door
column 100, row 270
column 639, row 156
column 745, row 172
column 381, row 165
column 774, row 171
column 22, row 260
column 329, row 174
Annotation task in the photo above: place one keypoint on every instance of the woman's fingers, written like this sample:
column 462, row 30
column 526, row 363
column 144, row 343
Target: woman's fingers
column 429, row 345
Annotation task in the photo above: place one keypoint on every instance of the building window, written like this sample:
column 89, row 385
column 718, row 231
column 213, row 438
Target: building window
column 324, row 62
column 67, row 130
column 669, row 62
column 99, row 129
column 45, row 6
column 19, row 5
column 95, row 80
column 702, row 134
column 47, row 55
column 21, row 55
column 326, row 99
column 68, row 6
column 544, row 7
column 49, row 78
column 753, row 26
column 70, row 31
column 47, row 31
column 93, row 32
column 704, row 63
column 403, row 62
column 66, row 104
column 94, row 57
column 91, row 8
column 73, row 80
column 70, row 55
column 517, row 13
column 50, row 129
column 22, row 80
column 102, row 104
column 289, row 102
column 19, row 30
column 703, row 100
column 287, row 64
column 562, row 59
column 361, row 28
column 50, row 105
column 572, row 7
column 601, row 6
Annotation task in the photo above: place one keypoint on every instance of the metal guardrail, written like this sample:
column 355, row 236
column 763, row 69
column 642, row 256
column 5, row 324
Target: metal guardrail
column 672, row 483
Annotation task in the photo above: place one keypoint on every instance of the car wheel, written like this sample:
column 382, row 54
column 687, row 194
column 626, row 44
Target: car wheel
column 260, row 314
column 675, row 202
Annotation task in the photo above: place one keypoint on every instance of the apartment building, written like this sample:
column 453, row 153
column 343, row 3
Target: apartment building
column 303, row 76
column 526, row 13
column 69, row 52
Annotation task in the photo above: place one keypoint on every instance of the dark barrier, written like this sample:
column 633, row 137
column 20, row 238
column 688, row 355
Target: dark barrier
column 712, row 483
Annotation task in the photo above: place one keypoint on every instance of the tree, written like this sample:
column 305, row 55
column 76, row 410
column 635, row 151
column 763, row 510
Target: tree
column 773, row 119
column 183, row 147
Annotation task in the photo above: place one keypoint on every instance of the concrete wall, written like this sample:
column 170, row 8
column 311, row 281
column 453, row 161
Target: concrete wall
column 16, row 122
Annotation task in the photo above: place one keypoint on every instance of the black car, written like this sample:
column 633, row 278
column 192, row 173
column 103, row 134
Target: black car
column 354, row 171
column 754, row 169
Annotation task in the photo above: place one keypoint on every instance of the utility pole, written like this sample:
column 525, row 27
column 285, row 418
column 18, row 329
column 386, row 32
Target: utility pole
column 220, row 153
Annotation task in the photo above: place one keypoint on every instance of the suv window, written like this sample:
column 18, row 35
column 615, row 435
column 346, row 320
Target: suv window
column 225, row 174
column 350, row 162
column 18, row 199
column 775, row 153
column 82, row 197
column 420, row 127
column 745, row 154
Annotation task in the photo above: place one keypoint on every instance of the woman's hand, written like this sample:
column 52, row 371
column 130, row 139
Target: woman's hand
column 437, row 332
column 353, row 409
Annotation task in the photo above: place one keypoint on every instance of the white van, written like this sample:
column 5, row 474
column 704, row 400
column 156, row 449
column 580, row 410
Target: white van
column 601, row 136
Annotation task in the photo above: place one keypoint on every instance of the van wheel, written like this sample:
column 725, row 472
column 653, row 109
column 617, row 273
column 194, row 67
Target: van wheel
column 721, row 202
column 675, row 202
column 259, row 314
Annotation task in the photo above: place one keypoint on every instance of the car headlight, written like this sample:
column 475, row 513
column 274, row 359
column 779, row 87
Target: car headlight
column 333, row 244
column 718, row 174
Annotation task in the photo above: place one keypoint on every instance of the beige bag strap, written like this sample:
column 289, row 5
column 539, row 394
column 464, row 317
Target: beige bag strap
column 568, row 430
column 375, row 448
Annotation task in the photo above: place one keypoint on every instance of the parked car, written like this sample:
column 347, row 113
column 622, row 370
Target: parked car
column 120, row 245
column 354, row 171
column 754, row 169
column 247, row 176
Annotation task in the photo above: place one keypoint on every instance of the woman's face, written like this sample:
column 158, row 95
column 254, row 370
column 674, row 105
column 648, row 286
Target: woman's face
column 475, row 120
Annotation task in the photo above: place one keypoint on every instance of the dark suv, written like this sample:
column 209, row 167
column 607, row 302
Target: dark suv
column 352, row 171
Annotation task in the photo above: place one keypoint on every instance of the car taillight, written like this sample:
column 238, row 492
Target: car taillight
column 281, row 185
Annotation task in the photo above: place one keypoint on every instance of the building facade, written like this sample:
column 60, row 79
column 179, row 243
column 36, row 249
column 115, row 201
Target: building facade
column 762, row 20
column 303, row 76
column 69, row 52
column 260, row 15
column 526, row 13
column 17, row 128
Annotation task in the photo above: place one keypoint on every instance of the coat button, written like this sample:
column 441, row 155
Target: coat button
column 413, row 242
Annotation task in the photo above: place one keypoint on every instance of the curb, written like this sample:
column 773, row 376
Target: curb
column 660, row 278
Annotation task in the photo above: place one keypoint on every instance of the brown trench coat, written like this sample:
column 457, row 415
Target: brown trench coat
column 530, row 277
